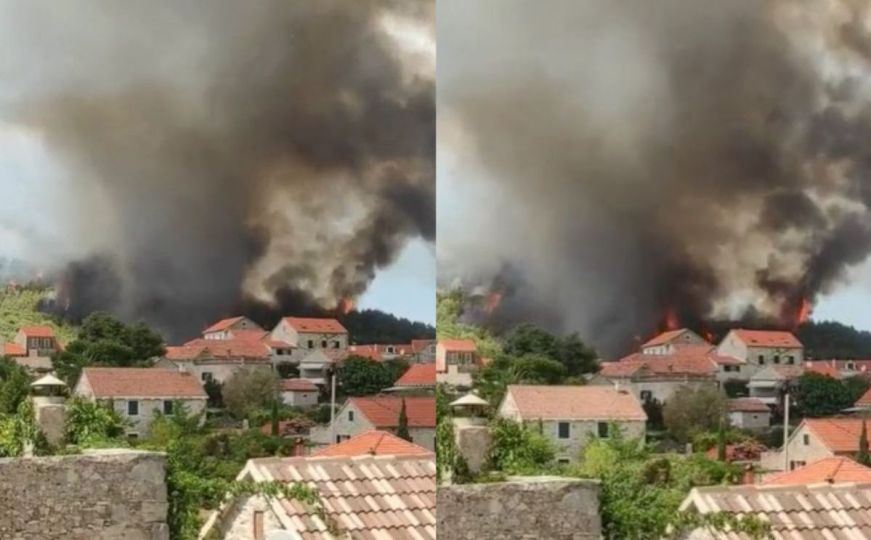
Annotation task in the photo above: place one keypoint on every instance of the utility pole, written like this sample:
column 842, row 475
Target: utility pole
column 786, row 431
column 333, row 406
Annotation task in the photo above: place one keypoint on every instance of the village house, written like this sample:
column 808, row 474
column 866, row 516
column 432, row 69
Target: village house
column 571, row 416
column 657, row 377
column 749, row 413
column 418, row 378
column 361, row 414
column 833, row 470
column 815, row 439
column 244, row 329
column 666, row 342
column 373, row 443
column 32, row 348
column 216, row 359
column 299, row 393
column 225, row 328
column 768, row 383
column 379, row 352
column 457, row 360
column 361, row 496
column 138, row 394
column 756, row 349
column 824, row 510
column 318, row 364
column 306, row 334
column 424, row 350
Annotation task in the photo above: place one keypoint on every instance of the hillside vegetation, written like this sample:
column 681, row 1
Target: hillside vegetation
column 20, row 307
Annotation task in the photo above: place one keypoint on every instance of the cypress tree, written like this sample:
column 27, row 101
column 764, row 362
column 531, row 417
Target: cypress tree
column 721, row 442
column 862, row 456
column 402, row 426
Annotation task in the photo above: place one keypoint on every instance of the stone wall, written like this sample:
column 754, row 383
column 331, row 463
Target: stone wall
column 107, row 495
column 523, row 509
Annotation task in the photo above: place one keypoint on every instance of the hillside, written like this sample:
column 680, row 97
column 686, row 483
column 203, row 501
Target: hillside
column 20, row 307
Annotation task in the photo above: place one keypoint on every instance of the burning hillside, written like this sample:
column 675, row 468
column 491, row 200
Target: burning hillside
column 239, row 156
column 647, row 169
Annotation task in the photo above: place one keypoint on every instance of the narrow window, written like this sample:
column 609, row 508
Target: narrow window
column 806, row 439
column 323, row 344
column 563, row 430
column 603, row 430
column 350, row 416
column 645, row 395
column 132, row 408
column 761, row 360
column 776, row 358
column 311, row 344
column 167, row 407
column 259, row 532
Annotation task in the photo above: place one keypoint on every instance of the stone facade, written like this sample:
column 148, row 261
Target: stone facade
column 101, row 496
column 804, row 448
column 750, row 419
column 351, row 421
column 523, row 509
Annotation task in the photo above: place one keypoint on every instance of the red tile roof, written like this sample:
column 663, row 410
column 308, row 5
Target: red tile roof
column 865, row 400
column 418, row 375
column 298, row 385
column 748, row 405
column 768, row 338
column 661, row 365
column 366, row 351
column 665, row 337
column 223, row 324
column 418, row 345
column 458, row 345
column 13, row 349
column 823, row 368
column 536, row 402
column 383, row 411
column 143, row 383
column 838, row 434
column 37, row 331
column 366, row 497
column 373, row 443
column 832, row 470
column 315, row 325
column 249, row 335
column 219, row 348
column 290, row 427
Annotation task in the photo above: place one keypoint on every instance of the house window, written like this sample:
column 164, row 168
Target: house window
column 132, row 408
column 167, row 406
column 563, row 430
column 646, row 395
column 311, row 344
column 761, row 360
column 776, row 358
column 795, row 464
column 336, row 344
column 323, row 344
column 350, row 416
column 806, row 439
column 603, row 430
column 851, row 366
column 132, row 436
column 206, row 376
column 790, row 360
column 563, row 461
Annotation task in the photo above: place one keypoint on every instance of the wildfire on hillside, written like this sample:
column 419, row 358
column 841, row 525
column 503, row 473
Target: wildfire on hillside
column 491, row 302
column 346, row 305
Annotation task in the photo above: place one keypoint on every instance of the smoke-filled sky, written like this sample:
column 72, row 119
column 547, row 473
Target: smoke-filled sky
column 709, row 158
column 173, row 159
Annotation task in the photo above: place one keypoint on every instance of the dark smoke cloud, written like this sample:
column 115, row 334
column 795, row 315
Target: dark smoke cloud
column 233, row 154
column 704, row 158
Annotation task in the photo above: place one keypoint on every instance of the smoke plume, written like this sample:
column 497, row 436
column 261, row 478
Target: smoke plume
column 217, row 155
column 694, row 161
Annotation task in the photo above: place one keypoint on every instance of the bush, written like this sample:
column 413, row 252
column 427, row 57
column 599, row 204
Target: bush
column 249, row 390
column 690, row 411
column 90, row 423
column 517, row 449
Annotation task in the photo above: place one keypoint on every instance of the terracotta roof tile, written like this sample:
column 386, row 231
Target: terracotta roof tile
column 661, row 365
column 142, row 382
column 373, row 443
column 223, row 324
column 249, row 335
column 748, row 405
column 13, row 349
column 37, row 331
column 833, row 470
column 865, row 400
column 316, row 325
column 418, row 375
column 383, row 411
column 665, row 337
column 219, row 348
column 365, row 497
column 823, row 368
column 768, row 338
column 820, row 511
column 838, row 434
column 458, row 345
column 418, row 345
column 574, row 403
column 298, row 385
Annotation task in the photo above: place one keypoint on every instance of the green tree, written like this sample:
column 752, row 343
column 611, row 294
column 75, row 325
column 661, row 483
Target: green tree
column 402, row 424
column 856, row 386
column 538, row 369
column 14, row 385
column 274, row 418
column 575, row 356
column 816, row 395
column 862, row 455
column 517, row 449
column 89, row 423
column 693, row 410
column 721, row 441
column 362, row 376
column 250, row 390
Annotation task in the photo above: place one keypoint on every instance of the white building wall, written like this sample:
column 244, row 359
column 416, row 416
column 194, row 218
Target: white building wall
column 238, row 524
column 299, row 399
column 799, row 450
column 750, row 420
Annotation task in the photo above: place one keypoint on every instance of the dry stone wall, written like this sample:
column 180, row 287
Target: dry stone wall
column 522, row 509
column 108, row 495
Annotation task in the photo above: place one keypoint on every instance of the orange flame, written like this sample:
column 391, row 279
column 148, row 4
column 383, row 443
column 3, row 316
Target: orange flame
column 671, row 321
column 346, row 305
column 804, row 311
column 492, row 302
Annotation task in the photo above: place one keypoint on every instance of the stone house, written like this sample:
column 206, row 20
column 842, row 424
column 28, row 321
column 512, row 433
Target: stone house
column 815, row 439
column 423, row 350
column 756, row 349
column 224, row 329
column 32, row 348
column 666, row 342
column 216, row 359
column 571, row 416
column 418, row 378
column 457, row 361
column 138, row 394
column 317, row 364
column 362, row 414
column 749, row 413
column 299, row 392
column 307, row 334
column 364, row 496
column 766, row 384
column 657, row 377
